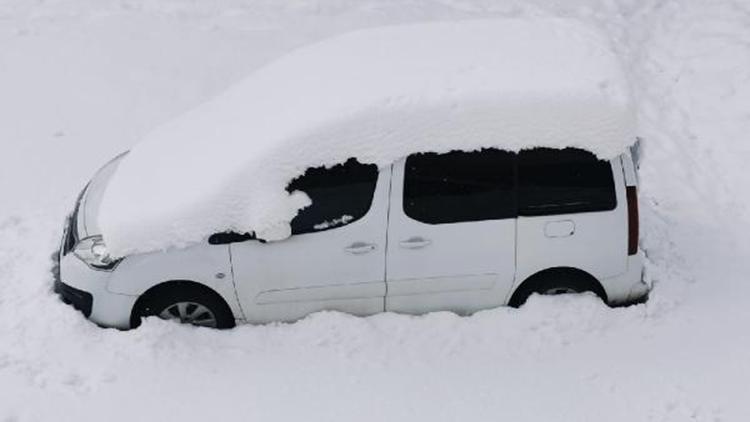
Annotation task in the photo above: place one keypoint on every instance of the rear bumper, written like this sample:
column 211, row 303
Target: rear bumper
column 629, row 288
column 634, row 300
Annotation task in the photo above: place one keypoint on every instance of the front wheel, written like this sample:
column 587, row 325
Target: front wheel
column 190, row 313
column 187, row 304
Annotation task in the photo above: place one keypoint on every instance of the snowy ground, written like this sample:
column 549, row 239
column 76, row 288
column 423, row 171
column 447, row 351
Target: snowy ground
column 81, row 80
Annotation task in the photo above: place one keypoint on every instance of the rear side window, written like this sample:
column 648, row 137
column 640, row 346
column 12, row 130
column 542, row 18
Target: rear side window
column 564, row 181
column 340, row 195
column 459, row 186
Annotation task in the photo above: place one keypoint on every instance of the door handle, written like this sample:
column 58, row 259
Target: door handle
column 359, row 248
column 415, row 242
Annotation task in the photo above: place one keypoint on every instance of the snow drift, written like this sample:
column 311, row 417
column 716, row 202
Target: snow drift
column 377, row 95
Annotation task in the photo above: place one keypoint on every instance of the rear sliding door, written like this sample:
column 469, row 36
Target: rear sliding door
column 451, row 234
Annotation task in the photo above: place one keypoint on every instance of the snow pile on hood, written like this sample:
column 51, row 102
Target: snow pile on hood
column 377, row 95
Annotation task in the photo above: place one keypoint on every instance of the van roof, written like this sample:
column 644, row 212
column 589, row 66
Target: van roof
column 377, row 95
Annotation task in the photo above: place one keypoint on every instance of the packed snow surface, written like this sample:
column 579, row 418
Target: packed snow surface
column 377, row 95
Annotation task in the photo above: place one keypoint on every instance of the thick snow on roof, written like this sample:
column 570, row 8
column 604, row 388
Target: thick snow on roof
column 378, row 95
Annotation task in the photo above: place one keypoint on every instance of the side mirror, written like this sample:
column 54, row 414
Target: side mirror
column 273, row 234
column 225, row 238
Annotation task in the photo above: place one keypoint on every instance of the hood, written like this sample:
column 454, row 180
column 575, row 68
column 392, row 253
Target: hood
column 91, row 198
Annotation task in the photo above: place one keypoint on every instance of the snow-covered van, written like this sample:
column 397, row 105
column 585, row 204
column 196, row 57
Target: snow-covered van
column 416, row 168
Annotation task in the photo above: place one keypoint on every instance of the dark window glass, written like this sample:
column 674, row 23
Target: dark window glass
column 459, row 186
column 340, row 195
column 564, row 181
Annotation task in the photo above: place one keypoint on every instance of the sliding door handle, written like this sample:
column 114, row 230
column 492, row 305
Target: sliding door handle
column 415, row 242
column 359, row 248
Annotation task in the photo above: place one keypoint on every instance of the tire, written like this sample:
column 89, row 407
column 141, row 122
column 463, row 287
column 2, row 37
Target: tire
column 554, row 282
column 186, row 303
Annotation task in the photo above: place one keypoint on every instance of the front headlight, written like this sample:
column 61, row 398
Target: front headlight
column 93, row 251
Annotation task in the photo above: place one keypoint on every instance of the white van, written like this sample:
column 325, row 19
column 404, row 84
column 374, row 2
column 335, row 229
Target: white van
column 460, row 231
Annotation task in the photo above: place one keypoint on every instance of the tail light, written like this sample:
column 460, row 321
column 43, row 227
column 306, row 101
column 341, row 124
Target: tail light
column 632, row 194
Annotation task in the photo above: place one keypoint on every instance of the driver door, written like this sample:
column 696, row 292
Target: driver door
column 335, row 258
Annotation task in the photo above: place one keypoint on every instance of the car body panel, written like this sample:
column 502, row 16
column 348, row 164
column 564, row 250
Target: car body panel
column 286, row 280
column 597, row 244
column 202, row 263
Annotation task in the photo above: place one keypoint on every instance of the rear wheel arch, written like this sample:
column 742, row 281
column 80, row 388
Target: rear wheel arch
column 182, row 288
column 581, row 279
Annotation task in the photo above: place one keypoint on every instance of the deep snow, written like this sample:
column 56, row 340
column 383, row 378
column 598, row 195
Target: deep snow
column 81, row 80
column 377, row 95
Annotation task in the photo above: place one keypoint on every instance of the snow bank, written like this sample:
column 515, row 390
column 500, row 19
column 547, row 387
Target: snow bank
column 377, row 95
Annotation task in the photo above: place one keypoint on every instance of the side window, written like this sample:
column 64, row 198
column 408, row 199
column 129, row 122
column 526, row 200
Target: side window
column 340, row 195
column 459, row 186
column 564, row 181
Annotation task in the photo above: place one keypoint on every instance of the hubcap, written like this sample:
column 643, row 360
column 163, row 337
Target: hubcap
column 559, row 291
column 189, row 313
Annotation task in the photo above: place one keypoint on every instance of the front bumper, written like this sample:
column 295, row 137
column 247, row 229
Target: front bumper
column 86, row 290
column 78, row 299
